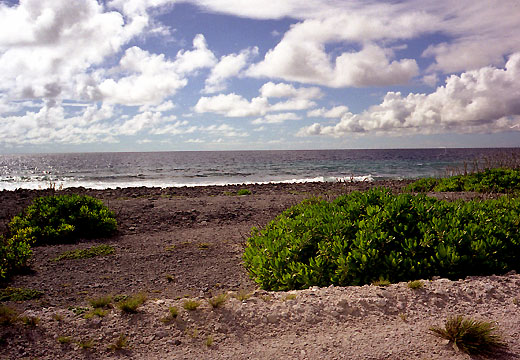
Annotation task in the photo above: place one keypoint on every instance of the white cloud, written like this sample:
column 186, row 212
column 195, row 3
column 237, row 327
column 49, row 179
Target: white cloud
column 282, row 90
column 333, row 113
column 163, row 107
column 198, row 58
column 307, row 62
column 152, row 77
column 484, row 100
column 232, row 105
column 45, row 44
column 276, row 118
column 223, row 130
column 228, row 66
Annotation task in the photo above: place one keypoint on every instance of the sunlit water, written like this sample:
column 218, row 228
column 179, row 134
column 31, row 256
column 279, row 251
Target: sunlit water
column 163, row 169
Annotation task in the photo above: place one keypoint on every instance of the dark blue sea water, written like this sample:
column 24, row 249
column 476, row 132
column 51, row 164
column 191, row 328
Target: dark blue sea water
column 163, row 169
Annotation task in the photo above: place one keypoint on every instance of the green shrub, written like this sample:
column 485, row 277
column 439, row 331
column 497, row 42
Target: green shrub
column 15, row 251
column 63, row 218
column 491, row 180
column 191, row 305
column 244, row 192
column 367, row 236
column 471, row 336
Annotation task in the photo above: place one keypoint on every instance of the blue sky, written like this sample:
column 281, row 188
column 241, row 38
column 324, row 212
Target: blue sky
column 149, row 75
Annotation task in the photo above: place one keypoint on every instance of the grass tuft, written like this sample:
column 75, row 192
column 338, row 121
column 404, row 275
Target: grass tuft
column 86, row 344
column 471, row 336
column 381, row 282
column 191, row 305
column 19, row 294
column 120, row 344
column 8, row 316
column 217, row 301
column 242, row 295
column 31, row 321
column 131, row 304
column 243, row 192
column 65, row 339
column 101, row 250
column 99, row 312
column 415, row 284
column 101, row 302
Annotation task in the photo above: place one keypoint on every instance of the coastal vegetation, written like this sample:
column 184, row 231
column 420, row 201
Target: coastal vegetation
column 497, row 180
column 51, row 220
column 371, row 236
column 471, row 336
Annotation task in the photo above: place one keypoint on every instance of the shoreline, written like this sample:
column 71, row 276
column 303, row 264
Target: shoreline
column 180, row 243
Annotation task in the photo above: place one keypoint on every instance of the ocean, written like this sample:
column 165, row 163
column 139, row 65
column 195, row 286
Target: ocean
column 198, row 168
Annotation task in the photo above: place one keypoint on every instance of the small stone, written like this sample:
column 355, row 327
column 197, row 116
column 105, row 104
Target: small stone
column 177, row 342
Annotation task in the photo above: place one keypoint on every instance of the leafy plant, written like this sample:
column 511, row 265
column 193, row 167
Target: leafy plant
column 131, row 304
column 94, row 251
column 19, row 294
column 471, row 336
column 78, row 310
column 15, row 251
column 367, row 236
column 86, row 344
column 191, row 305
column 242, row 192
column 381, row 282
column 500, row 180
column 63, row 218
column 209, row 340
column 289, row 297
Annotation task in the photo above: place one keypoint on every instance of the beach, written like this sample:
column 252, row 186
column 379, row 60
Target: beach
column 187, row 242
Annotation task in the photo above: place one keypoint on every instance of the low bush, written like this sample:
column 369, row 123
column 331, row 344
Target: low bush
column 498, row 180
column 19, row 294
column 50, row 220
column 363, row 237
column 131, row 304
column 63, row 218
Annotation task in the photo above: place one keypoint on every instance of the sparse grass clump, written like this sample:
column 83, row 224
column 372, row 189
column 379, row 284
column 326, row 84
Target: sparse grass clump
column 31, row 321
column 242, row 295
column 99, row 312
column 217, row 301
column 415, row 284
column 191, row 305
column 209, row 340
column 203, row 246
column 173, row 312
column 65, row 339
column 94, row 251
column 8, row 316
column 289, row 297
column 471, row 336
column 120, row 344
column 131, row 304
column 381, row 282
column 86, row 344
column 19, row 294
column 101, row 302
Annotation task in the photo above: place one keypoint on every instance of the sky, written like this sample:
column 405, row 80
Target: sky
column 167, row 75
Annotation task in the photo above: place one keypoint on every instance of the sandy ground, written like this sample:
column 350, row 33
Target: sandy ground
column 186, row 243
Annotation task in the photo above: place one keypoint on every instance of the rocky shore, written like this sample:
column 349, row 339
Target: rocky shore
column 176, row 244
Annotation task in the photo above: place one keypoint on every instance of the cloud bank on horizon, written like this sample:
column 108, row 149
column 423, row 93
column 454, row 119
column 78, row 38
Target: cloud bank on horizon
column 227, row 74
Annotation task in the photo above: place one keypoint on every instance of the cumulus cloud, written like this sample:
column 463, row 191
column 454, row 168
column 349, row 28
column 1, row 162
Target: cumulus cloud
column 228, row 66
column 484, row 100
column 45, row 44
column 152, row 77
column 233, row 105
column 276, row 118
column 334, row 113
